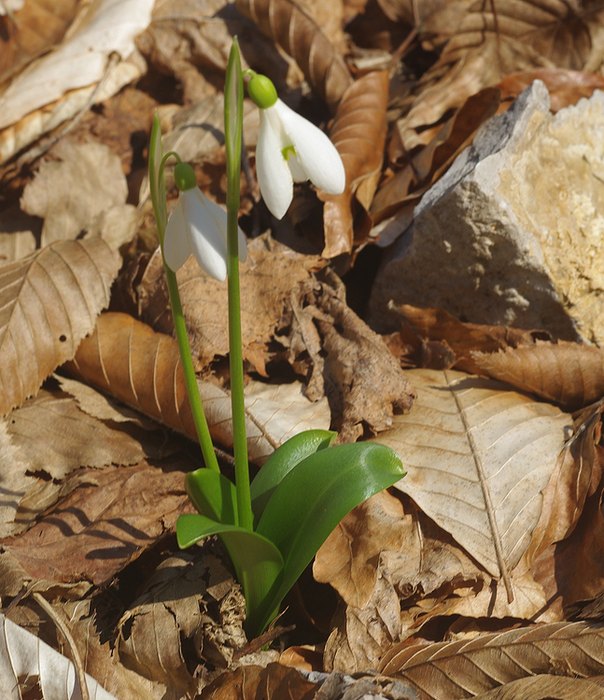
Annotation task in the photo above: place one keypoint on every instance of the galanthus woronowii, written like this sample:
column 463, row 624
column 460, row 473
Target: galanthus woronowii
column 198, row 226
column 290, row 149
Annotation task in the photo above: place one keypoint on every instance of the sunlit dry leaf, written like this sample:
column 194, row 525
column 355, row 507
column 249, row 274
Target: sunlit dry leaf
column 16, row 245
column 470, row 449
column 546, row 686
column 271, row 274
column 74, row 188
column 34, row 27
column 140, row 367
column 188, row 602
column 49, row 302
column 426, row 324
column 101, row 526
column 24, row 657
column 249, row 682
column 565, row 87
column 301, row 38
column 98, row 657
column 15, row 482
column 492, row 40
column 568, row 374
column 441, row 670
column 359, row 134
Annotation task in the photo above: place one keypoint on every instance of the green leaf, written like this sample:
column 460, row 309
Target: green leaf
column 312, row 499
column 282, row 461
column 258, row 563
column 213, row 495
column 157, row 185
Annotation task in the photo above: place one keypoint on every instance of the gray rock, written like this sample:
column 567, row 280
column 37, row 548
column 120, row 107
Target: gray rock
column 513, row 233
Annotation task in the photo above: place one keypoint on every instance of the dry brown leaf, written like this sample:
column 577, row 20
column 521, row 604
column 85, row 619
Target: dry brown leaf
column 495, row 39
column 359, row 134
column 271, row 683
column 32, row 29
column 74, row 187
column 271, row 274
column 565, row 87
column 544, row 687
column 100, row 661
column 568, row 374
column 128, row 360
column 470, row 450
column 101, row 526
column 189, row 602
column 301, row 38
column 419, row 325
column 49, row 302
column 15, row 482
column 450, row 670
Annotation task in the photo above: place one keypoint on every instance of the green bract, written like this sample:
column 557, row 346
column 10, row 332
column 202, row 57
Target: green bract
column 262, row 91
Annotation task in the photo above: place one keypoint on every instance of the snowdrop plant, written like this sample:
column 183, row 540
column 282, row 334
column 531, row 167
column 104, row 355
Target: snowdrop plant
column 273, row 526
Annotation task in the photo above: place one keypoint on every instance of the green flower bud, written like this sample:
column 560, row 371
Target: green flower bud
column 262, row 91
column 184, row 177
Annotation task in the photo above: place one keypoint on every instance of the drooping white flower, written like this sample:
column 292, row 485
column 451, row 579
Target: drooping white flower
column 290, row 149
column 197, row 226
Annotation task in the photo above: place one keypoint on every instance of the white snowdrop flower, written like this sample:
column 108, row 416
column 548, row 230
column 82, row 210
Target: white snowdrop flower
column 290, row 149
column 197, row 226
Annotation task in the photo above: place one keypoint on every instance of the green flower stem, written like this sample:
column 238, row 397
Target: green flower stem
column 157, row 163
column 197, row 412
column 233, row 123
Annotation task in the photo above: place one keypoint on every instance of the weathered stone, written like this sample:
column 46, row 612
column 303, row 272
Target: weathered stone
column 513, row 233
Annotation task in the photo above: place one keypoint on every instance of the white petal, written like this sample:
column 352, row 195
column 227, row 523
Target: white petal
column 274, row 177
column 220, row 217
column 207, row 233
column 318, row 156
column 176, row 239
column 296, row 169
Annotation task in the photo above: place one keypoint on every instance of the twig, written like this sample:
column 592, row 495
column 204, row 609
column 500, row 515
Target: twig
column 62, row 627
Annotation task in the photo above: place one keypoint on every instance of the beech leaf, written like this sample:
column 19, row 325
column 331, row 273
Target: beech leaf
column 49, row 301
column 442, row 670
column 300, row 37
column 479, row 458
column 568, row 374
column 359, row 134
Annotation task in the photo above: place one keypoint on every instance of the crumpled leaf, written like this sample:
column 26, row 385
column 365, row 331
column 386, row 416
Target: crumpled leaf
column 24, row 656
column 34, row 27
column 140, row 367
column 301, row 38
column 73, row 191
column 359, row 134
column 479, row 458
column 441, row 670
column 49, row 302
column 271, row 274
column 275, row 681
column 568, row 374
column 188, row 600
column 61, row 82
column 109, row 520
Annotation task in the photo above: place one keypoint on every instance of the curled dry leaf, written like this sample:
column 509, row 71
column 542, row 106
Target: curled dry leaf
column 301, row 38
column 568, row 374
column 100, row 527
column 249, row 682
column 440, row 671
column 471, row 449
column 359, row 134
column 33, row 28
column 546, row 686
column 130, row 361
column 49, row 302
column 188, row 602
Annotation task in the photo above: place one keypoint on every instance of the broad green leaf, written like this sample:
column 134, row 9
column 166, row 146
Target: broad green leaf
column 282, row 461
column 258, row 563
column 312, row 499
column 213, row 495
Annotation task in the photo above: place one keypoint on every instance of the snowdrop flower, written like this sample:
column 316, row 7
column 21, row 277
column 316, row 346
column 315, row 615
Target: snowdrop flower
column 290, row 149
column 198, row 226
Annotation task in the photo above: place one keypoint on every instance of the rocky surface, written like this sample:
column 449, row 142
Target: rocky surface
column 514, row 232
